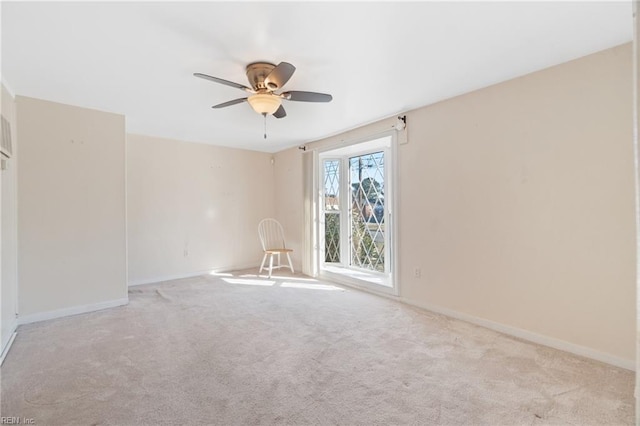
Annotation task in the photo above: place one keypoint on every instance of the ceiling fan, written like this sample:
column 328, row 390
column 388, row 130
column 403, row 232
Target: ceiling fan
column 265, row 79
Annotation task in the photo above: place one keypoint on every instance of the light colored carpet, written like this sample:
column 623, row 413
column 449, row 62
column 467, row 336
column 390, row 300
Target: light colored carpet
column 241, row 350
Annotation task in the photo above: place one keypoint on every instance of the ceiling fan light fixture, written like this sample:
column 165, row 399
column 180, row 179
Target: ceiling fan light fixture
column 264, row 103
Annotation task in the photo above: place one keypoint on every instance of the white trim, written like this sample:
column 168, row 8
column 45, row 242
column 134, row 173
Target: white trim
column 7, row 347
column 74, row 310
column 392, row 213
column 126, row 207
column 530, row 336
column 343, row 279
column 154, row 280
column 385, row 141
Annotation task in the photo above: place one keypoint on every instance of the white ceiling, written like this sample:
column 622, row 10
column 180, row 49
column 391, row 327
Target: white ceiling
column 376, row 58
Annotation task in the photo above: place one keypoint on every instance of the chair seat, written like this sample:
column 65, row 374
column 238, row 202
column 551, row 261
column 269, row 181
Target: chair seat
column 278, row 250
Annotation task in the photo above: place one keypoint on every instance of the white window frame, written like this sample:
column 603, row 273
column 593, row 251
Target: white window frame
column 343, row 272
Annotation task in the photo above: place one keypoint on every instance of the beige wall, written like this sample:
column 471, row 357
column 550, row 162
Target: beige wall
column 193, row 208
column 527, row 204
column 9, row 245
column 71, row 208
column 289, row 192
column 636, row 129
column 517, row 203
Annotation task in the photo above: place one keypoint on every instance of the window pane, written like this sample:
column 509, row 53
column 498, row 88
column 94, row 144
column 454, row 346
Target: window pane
column 331, row 185
column 331, row 207
column 366, row 173
column 332, row 237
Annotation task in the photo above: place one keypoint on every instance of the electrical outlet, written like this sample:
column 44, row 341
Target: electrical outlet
column 417, row 272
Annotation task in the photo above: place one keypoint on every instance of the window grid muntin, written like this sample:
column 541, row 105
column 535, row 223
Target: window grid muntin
column 331, row 204
column 367, row 238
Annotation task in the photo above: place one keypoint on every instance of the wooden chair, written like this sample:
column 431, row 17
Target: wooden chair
column 272, row 239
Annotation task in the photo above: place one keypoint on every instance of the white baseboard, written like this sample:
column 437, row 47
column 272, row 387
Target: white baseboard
column 7, row 347
column 529, row 335
column 154, row 280
column 380, row 290
column 74, row 310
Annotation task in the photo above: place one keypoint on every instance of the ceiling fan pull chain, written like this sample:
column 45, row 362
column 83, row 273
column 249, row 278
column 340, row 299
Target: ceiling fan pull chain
column 265, row 124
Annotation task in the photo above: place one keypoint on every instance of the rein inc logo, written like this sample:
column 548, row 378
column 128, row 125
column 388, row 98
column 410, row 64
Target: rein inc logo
column 17, row 421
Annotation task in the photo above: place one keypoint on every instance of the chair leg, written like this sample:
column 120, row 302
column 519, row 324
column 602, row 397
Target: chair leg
column 262, row 264
column 290, row 264
column 270, row 264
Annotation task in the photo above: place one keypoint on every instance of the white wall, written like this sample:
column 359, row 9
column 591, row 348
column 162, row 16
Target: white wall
column 517, row 203
column 9, row 245
column 194, row 208
column 71, row 209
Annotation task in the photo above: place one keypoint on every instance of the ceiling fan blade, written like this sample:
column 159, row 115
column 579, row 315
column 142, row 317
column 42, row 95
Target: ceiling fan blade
column 296, row 95
column 225, row 82
column 229, row 103
column 279, row 76
column 280, row 112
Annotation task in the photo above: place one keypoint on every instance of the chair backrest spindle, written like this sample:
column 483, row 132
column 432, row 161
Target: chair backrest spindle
column 271, row 234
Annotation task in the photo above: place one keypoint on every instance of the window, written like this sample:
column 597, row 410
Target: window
column 355, row 213
column 332, row 211
column 366, row 184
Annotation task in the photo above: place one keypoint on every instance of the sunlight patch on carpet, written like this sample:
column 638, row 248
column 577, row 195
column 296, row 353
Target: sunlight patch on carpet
column 244, row 281
column 306, row 286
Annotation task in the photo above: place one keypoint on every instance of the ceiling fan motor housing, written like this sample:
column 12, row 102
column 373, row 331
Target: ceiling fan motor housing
column 257, row 72
column 265, row 78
